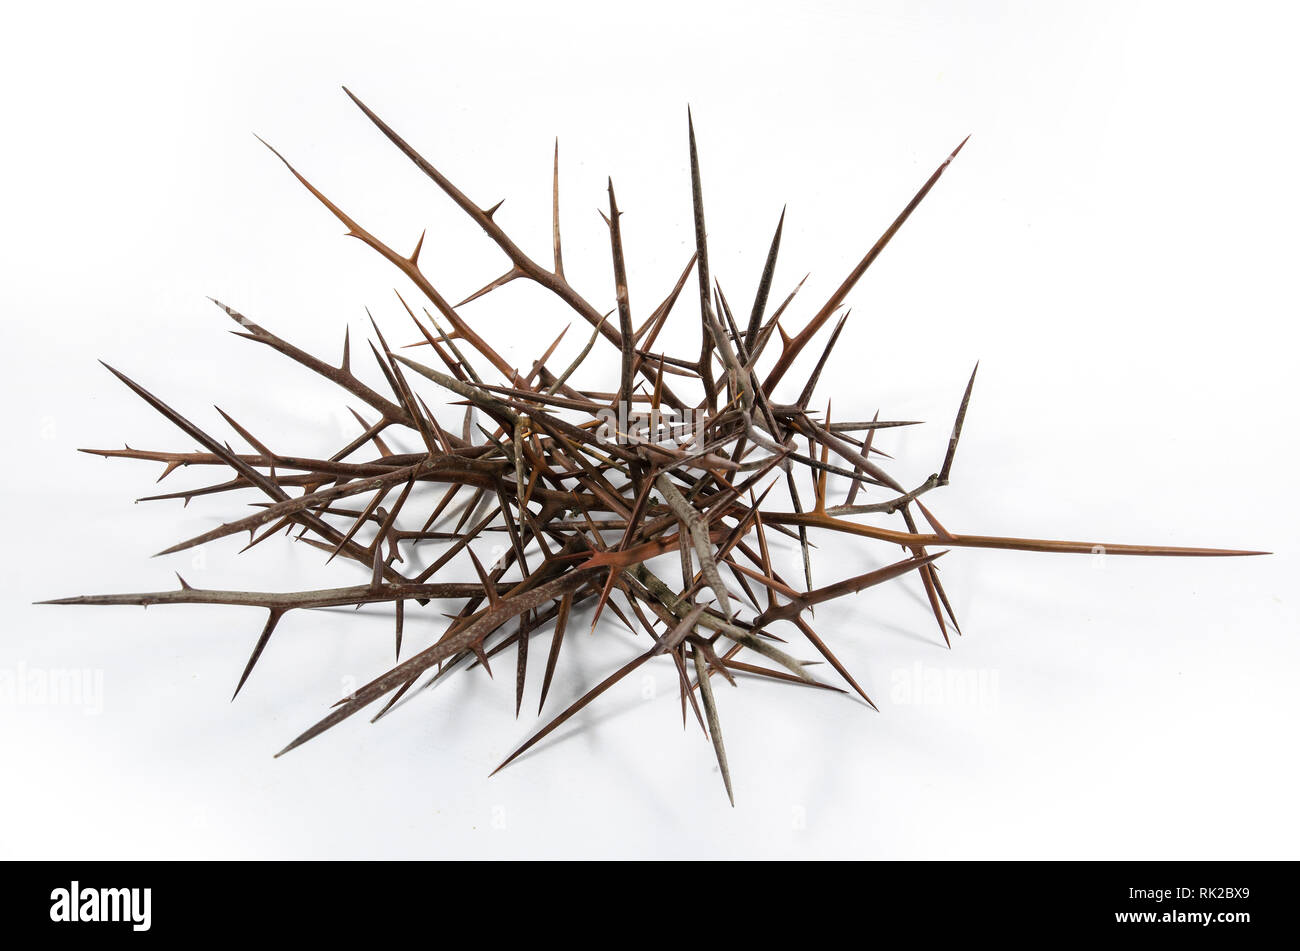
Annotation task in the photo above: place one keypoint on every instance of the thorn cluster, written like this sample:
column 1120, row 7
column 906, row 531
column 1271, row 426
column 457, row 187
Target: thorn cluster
column 589, row 487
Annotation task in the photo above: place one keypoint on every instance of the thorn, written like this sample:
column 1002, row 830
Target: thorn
column 482, row 656
column 271, row 621
column 934, row 522
column 956, row 428
column 489, row 588
column 501, row 281
column 555, row 213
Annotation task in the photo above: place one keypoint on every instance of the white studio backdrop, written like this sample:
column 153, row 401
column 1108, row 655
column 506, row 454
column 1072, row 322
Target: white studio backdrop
column 1116, row 245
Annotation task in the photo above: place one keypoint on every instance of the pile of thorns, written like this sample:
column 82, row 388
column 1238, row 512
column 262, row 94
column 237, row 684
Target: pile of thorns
column 589, row 487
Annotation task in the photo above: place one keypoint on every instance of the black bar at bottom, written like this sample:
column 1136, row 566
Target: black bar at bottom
column 138, row 901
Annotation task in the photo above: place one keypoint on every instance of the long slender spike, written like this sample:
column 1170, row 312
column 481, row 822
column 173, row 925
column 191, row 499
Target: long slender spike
column 956, row 428
column 801, row 339
column 665, row 645
column 908, row 539
column 621, row 295
column 521, row 663
column 806, row 396
column 711, row 714
column 361, row 519
column 697, row 204
column 273, row 618
column 557, row 639
column 511, row 275
column 576, row 706
column 577, row 362
column 928, row 581
column 764, row 286
column 373, row 437
column 866, row 452
column 555, row 212
column 834, row 661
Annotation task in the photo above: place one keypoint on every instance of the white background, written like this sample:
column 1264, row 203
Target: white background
column 1116, row 245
